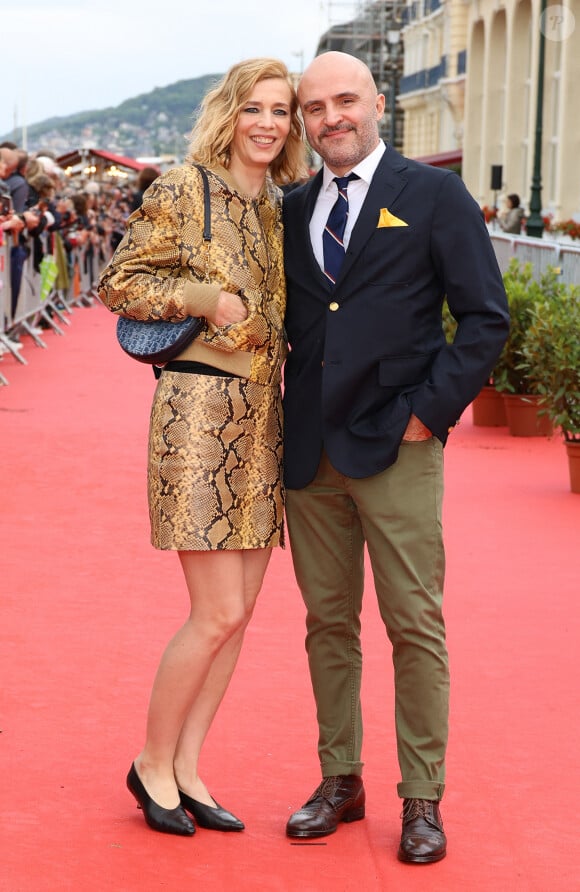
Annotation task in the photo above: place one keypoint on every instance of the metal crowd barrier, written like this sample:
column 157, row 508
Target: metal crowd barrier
column 541, row 253
column 569, row 262
column 42, row 301
column 5, row 293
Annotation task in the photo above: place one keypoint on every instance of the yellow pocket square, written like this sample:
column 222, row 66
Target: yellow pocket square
column 388, row 219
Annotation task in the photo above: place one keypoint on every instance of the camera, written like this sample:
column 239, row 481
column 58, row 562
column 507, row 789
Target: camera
column 5, row 205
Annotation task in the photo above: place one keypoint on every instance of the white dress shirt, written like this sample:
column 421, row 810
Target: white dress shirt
column 357, row 192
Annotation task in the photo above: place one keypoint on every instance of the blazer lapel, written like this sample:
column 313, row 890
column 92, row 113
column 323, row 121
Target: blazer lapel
column 310, row 261
column 386, row 185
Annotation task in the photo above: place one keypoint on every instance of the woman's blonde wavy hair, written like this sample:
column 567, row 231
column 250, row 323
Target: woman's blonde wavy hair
column 213, row 131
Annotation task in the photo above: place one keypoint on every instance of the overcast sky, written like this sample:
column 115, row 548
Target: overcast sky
column 58, row 58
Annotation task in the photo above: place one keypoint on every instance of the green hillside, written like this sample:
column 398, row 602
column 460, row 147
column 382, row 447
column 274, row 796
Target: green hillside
column 153, row 123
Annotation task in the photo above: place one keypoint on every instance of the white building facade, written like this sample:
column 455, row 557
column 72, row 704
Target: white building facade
column 470, row 84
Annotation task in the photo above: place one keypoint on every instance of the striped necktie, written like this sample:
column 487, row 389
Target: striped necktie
column 333, row 235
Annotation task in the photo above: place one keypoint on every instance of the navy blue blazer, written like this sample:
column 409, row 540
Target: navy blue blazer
column 370, row 351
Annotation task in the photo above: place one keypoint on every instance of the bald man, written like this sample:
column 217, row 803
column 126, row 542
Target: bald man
column 372, row 391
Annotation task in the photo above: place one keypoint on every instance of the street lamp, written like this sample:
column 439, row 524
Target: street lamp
column 535, row 224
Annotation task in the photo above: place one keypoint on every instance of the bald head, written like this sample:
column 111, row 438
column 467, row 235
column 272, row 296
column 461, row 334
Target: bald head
column 341, row 109
column 338, row 65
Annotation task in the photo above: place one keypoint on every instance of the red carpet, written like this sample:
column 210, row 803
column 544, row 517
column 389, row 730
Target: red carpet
column 87, row 606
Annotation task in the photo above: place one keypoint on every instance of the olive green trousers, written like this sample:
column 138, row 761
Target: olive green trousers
column 398, row 514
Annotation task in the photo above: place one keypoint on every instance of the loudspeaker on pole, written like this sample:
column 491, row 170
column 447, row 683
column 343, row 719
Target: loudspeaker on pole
column 496, row 174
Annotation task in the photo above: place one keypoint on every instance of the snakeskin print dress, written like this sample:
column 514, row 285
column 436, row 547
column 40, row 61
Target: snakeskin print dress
column 215, row 441
column 215, row 455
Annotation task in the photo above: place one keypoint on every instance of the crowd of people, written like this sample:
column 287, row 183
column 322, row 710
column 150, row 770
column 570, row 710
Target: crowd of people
column 43, row 211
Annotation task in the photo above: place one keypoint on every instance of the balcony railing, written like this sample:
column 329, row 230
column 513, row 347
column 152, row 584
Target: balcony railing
column 424, row 79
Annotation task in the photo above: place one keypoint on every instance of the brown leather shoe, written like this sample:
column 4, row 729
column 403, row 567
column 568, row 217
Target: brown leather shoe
column 337, row 799
column 423, row 840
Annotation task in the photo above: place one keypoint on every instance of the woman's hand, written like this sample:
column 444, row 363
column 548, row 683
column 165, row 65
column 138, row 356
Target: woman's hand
column 229, row 309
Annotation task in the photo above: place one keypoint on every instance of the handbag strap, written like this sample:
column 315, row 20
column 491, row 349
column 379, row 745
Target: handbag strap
column 206, row 218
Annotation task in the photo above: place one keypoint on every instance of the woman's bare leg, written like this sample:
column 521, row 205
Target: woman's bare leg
column 204, row 708
column 220, row 609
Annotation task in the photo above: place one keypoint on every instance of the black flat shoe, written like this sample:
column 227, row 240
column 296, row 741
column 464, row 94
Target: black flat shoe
column 210, row 818
column 165, row 820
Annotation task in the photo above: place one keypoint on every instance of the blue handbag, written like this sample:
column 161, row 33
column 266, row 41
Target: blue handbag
column 157, row 342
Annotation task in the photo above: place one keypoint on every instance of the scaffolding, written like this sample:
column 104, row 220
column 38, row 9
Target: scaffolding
column 340, row 11
column 373, row 35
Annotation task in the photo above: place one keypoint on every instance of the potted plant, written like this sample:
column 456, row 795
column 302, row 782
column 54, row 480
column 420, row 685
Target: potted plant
column 551, row 362
column 509, row 375
column 488, row 407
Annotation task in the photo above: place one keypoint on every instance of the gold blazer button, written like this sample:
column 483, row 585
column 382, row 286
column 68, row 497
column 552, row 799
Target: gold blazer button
column 333, row 306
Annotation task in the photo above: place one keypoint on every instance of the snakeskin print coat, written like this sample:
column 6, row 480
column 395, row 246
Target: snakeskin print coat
column 159, row 269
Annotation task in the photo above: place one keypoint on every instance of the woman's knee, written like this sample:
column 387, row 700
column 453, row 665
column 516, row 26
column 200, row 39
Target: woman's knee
column 221, row 625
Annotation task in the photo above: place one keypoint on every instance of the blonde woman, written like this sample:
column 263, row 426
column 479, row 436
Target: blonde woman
column 215, row 444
